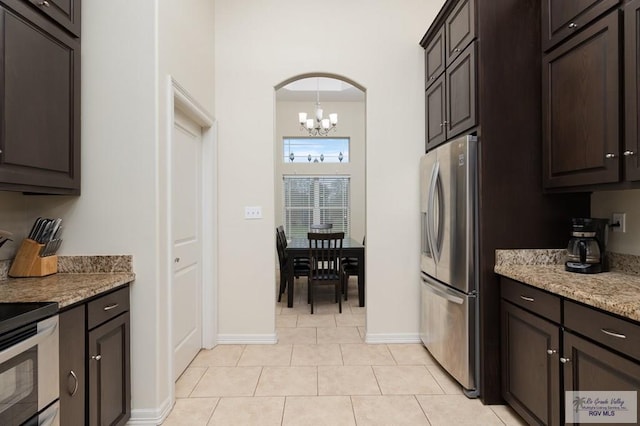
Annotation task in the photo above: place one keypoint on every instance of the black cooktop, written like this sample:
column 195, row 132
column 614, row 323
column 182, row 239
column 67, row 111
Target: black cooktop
column 15, row 315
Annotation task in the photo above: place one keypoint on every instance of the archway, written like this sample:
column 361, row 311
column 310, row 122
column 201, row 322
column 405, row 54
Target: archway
column 334, row 159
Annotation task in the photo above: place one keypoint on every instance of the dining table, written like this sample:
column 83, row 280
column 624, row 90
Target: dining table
column 299, row 248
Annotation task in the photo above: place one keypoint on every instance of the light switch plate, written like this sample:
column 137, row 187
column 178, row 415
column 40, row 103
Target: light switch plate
column 619, row 218
column 253, row 212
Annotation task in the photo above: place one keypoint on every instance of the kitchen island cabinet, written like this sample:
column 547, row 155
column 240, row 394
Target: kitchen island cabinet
column 40, row 98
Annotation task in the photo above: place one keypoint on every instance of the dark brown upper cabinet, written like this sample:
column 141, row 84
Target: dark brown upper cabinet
column 581, row 108
column 434, row 58
column 64, row 12
column 562, row 19
column 460, row 29
column 40, row 97
column 631, row 153
column 451, row 100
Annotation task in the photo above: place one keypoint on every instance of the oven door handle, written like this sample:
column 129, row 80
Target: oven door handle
column 22, row 346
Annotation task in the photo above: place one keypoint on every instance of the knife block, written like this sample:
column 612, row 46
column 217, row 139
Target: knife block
column 28, row 262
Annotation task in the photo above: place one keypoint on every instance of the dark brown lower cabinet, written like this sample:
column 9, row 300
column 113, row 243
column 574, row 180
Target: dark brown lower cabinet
column 109, row 373
column 95, row 372
column 72, row 366
column 531, row 378
column 590, row 367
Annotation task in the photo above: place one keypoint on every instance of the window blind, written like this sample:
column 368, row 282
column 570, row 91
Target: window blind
column 316, row 199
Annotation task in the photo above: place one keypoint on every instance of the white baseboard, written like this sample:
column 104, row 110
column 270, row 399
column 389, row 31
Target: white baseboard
column 247, row 339
column 151, row 417
column 392, row 338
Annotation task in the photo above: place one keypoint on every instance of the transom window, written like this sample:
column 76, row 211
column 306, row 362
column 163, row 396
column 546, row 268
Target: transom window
column 315, row 150
column 313, row 200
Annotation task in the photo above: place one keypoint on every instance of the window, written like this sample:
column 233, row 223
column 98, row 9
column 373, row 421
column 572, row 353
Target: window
column 315, row 150
column 316, row 199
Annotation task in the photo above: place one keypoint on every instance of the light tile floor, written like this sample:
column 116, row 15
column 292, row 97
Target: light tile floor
column 322, row 373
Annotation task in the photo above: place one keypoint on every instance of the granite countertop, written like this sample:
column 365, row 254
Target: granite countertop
column 79, row 278
column 617, row 291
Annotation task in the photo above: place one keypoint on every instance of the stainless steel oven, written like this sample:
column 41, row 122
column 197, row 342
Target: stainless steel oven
column 29, row 371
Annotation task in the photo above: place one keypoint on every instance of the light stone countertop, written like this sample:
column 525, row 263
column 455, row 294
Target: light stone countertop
column 80, row 278
column 617, row 291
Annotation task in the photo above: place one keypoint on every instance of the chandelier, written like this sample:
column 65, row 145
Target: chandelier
column 319, row 126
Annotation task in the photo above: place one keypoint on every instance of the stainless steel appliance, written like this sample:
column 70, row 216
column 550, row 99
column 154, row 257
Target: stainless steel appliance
column 449, row 259
column 586, row 251
column 29, row 370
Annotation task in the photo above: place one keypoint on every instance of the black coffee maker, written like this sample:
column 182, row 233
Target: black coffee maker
column 586, row 252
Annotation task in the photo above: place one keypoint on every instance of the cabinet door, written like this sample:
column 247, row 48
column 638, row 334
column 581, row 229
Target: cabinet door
column 40, row 96
column 109, row 373
column 561, row 19
column 581, row 112
column 593, row 368
column 72, row 366
column 436, row 122
column 434, row 58
column 530, row 375
column 461, row 93
column 64, row 12
column 460, row 29
column 631, row 152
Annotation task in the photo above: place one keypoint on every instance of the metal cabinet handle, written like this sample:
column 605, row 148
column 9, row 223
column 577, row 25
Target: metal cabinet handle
column 45, row 3
column 528, row 299
column 96, row 357
column 75, row 385
column 432, row 77
column 456, row 50
column 445, row 122
column 573, row 25
column 610, row 155
column 628, row 153
column 613, row 333
column 176, row 260
column 551, row 351
column 110, row 307
column 564, row 360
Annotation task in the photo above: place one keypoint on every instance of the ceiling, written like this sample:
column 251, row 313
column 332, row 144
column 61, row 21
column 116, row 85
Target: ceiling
column 330, row 89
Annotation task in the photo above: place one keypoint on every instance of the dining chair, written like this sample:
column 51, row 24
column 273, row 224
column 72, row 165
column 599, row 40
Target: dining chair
column 325, row 252
column 299, row 268
column 350, row 268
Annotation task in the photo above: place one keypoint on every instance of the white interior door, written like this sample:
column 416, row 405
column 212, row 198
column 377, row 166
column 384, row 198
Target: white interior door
column 186, row 228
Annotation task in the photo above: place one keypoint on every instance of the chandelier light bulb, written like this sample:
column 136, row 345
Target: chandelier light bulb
column 325, row 123
column 310, row 124
column 302, row 117
column 333, row 118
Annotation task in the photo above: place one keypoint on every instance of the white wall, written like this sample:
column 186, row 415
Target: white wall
column 351, row 124
column 604, row 203
column 129, row 48
column 374, row 43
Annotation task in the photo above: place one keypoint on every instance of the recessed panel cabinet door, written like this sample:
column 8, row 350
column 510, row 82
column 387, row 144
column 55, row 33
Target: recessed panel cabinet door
column 530, row 374
column 461, row 93
column 436, row 121
column 581, row 111
column 109, row 373
column 434, row 58
column 64, row 12
column 40, row 95
column 561, row 19
column 590, row 367
column 631, row 153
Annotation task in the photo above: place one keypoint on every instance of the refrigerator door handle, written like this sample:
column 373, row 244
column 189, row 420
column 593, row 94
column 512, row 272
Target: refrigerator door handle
column 430, row 206
column 446, row 294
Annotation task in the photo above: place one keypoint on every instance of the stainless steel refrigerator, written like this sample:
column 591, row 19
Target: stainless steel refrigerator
column 449, row 258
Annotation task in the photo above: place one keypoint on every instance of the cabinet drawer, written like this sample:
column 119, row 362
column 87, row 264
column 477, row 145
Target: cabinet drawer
column 107, row 307
column 616, row 333
column 532, row 299
column 64, row 12
column 561, row 19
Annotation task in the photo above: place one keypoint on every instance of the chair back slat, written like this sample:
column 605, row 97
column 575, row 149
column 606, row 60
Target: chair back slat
column 325, row 251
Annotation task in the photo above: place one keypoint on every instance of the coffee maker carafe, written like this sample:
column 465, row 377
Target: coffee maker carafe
column 586, row 252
